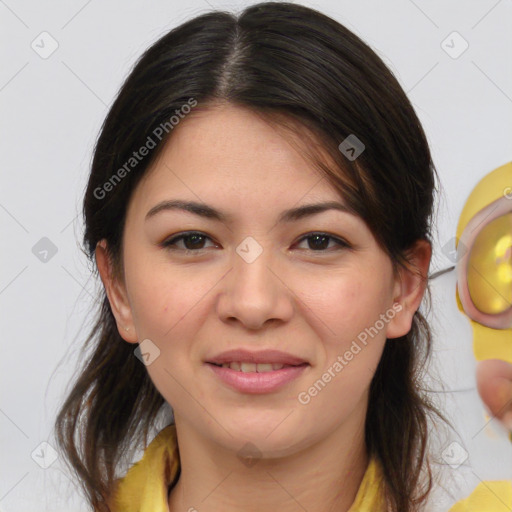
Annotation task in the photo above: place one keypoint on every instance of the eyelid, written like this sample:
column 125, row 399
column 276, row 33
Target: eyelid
column 168, row 242
column 340, row 242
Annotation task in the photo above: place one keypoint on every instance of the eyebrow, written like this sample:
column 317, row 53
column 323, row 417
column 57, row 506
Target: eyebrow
column 206, row 211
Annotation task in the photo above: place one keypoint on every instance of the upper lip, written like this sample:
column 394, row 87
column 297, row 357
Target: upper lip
column 261, row 356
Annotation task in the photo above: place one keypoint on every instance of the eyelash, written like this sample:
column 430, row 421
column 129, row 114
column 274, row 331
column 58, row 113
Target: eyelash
column 168, row 243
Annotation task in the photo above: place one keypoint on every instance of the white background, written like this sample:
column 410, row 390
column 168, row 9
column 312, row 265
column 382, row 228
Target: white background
column 52, row 110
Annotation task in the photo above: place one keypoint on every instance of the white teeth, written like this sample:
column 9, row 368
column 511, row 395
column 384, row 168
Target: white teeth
column 253, row 367
column 264, row 367
column 248, row 367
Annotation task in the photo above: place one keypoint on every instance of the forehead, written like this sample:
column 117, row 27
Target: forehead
column 230, row 151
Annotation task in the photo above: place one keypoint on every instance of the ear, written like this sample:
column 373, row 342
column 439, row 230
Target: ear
column 116, row 293
column 410, row 285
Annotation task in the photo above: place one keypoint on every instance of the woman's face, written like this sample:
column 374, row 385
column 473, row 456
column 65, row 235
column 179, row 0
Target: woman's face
column 253, row 281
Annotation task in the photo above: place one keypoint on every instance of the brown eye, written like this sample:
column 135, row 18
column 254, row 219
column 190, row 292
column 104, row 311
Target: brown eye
column 192, row 242
column 319, row 242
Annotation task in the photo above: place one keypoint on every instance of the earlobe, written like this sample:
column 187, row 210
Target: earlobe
column 410, row 287
column 116, row 293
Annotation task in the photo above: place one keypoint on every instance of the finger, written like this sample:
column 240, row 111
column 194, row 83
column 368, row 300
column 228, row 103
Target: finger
column 494, row 384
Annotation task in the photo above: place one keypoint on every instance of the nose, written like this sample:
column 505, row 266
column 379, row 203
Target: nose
column 255, row 291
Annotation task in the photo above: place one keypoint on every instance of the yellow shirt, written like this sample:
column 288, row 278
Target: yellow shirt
column 145, row 486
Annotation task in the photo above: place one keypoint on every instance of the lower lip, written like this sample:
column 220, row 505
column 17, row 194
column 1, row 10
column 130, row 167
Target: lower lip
column 253, row 382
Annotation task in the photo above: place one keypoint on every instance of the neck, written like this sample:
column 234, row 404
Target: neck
column 324, row 477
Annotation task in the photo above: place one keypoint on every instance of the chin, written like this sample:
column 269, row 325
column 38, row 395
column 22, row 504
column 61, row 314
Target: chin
column 271, row 437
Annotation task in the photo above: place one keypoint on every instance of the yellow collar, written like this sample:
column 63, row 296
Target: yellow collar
column 145, row 486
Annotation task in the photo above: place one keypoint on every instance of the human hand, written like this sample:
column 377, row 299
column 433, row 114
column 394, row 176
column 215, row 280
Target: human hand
column 494, row 384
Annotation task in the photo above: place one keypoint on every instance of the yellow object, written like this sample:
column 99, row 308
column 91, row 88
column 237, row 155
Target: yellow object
column 490, row 271
column 145, row 486
column 487, row 497
column 485, row 283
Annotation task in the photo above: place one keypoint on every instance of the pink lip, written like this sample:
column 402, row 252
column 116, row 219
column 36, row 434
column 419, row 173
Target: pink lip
column 262, row 356
column 253, row 382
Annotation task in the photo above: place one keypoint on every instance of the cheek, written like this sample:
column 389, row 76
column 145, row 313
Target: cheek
column 352, row 340
column 346, row 305
column 165, row 306
column 163, row 299
column 353, row 308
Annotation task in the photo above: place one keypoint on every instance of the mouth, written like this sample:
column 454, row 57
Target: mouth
column 250, row 361
column 264, row 371
column 249, row 367
column 256, row 378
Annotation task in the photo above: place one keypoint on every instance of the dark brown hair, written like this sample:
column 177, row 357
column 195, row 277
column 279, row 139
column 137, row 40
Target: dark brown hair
column 295, row 66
